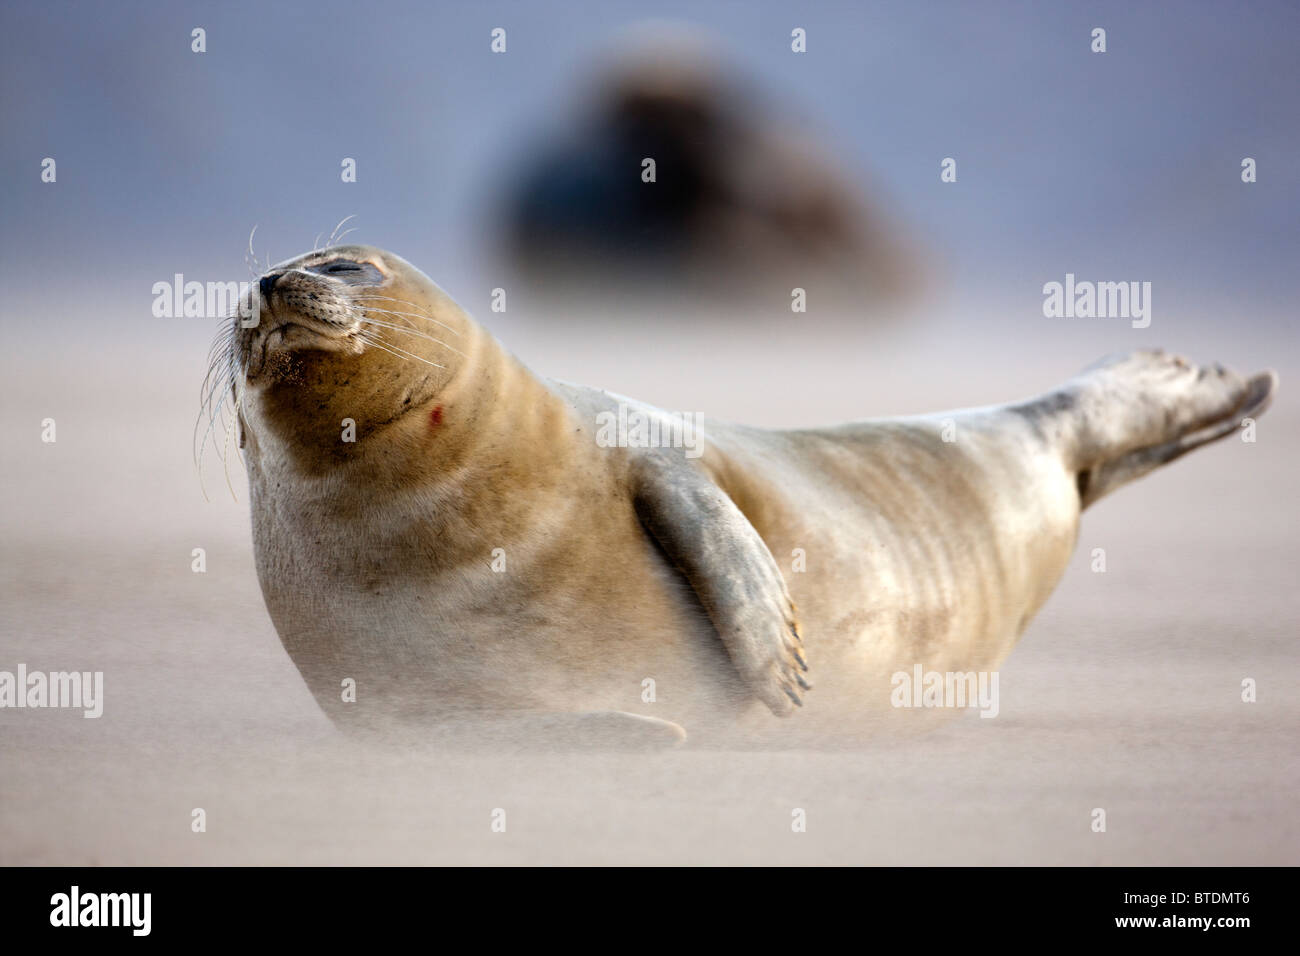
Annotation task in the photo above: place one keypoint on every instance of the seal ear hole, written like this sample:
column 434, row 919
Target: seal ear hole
column 1081, row 481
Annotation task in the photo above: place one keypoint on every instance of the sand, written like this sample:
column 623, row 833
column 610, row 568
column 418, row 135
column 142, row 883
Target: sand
column 1124, row 693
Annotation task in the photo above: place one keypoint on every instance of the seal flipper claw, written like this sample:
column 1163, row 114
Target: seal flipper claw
column 703, row 533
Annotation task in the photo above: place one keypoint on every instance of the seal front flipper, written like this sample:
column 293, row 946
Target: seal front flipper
column 703, row 533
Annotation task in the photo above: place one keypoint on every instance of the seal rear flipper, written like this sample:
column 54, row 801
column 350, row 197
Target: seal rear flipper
column 1127, row 415
column 702, row 532
column 1111, row 474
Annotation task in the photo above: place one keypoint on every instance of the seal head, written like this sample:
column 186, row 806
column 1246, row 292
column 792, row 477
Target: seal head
column 346, row 334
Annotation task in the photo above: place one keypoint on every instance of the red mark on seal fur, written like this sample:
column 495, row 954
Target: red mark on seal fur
column 435, row 416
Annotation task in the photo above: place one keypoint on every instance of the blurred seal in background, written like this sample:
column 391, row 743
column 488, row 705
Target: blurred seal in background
column 741, row 204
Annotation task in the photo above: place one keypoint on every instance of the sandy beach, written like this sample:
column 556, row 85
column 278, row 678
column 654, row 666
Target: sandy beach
column 1124, row 694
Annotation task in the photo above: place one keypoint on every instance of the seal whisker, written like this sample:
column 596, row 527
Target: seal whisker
column 225, row 451
column 408, row 331
column 389, row 347
column 400, row 352
column 336, row 229
column 372, row 341
column 403, row 318
column 389, row 298
column 220, row 379
column 416, row 315
column 217, row 374
column 397, row 315
column 216, row 413
column 410, row 328
column 250, row 257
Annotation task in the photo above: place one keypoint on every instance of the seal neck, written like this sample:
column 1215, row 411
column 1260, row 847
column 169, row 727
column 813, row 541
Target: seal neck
column 386, row 422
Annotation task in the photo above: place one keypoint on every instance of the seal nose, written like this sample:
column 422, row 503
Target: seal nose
column 267, row 283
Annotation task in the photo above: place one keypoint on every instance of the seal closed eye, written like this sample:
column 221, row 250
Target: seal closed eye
column 440, row 530
column 347, row 270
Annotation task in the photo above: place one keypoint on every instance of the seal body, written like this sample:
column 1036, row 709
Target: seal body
column 443, row 538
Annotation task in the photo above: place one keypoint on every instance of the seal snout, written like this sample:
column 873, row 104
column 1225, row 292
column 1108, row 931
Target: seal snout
column 267, row 283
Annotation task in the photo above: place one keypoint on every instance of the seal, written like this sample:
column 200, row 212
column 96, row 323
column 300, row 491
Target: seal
column 448, row 542
column 744, row 204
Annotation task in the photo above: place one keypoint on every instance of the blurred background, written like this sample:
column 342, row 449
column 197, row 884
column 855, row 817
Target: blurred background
column 1118, row 164
column 521, row 170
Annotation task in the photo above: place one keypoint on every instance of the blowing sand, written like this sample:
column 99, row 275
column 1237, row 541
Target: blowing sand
column 1124, row 694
